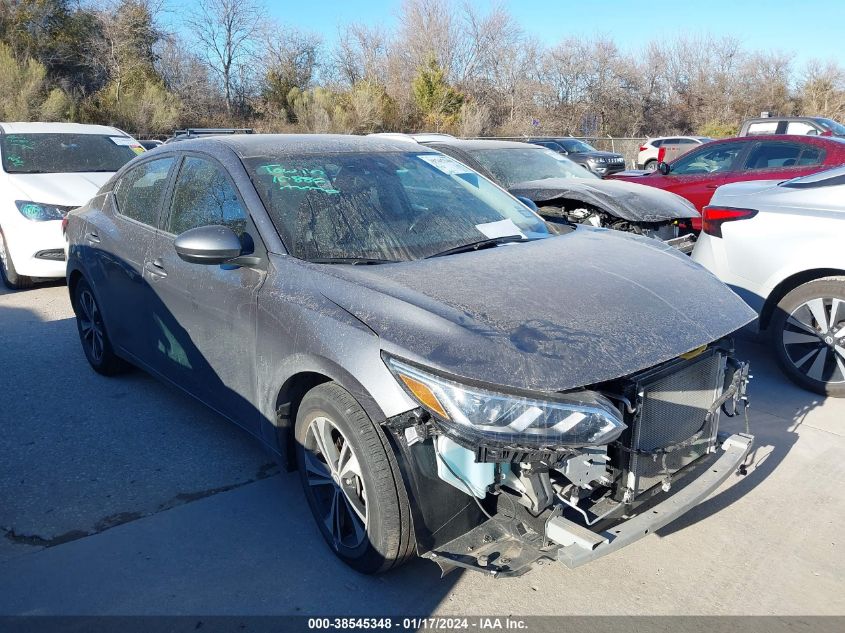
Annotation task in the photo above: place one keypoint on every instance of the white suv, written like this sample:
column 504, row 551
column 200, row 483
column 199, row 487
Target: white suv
column 48, row 169
column 673, row 147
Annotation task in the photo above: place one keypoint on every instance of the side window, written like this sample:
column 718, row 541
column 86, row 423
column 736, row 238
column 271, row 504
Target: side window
column 672, row 141
column 139, row 192
column 799, row 127
column 768, row 127
column 711, row 159
column 203, row 196
column 775, row 155
column 658, row 142
column 810, row 156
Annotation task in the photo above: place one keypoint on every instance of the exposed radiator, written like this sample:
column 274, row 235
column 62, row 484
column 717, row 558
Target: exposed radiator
column 674, row 409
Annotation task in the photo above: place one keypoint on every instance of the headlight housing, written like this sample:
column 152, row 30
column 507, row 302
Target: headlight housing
column 597, row 159
column 476, row 416
column 40, row 212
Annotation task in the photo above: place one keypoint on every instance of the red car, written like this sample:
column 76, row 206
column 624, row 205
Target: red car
column 698, row 173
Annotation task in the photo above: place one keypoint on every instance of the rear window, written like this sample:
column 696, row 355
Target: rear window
column 66, row 153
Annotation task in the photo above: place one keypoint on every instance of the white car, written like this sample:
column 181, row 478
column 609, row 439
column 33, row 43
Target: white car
column 673, row 146
column 781, row 246
column 48, row 169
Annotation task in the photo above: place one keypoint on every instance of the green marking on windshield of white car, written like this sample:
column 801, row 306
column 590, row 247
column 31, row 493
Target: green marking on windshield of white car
column 299, row 178
column 17, row 161
column 20, row 141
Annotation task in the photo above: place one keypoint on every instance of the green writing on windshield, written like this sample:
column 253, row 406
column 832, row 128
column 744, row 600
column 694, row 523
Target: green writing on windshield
column 17, row 161
column 20, row 141
column 299, row 178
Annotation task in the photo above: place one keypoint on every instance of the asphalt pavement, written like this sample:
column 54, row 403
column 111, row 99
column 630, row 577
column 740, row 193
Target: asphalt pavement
column 124, row 496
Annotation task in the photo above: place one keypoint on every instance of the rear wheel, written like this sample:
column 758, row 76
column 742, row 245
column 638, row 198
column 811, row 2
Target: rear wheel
column 808, row 332
column 352, row 481
column 92, row 332
column 7, row 269
column 651, row 165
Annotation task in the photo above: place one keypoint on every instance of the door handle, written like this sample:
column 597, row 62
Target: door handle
column 713, row 186
column 156, row 268
column 92, row 238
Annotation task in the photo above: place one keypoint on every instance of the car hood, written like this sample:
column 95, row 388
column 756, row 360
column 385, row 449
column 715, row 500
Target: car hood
column 70, row 190
column 549, row 315
column 626, row 200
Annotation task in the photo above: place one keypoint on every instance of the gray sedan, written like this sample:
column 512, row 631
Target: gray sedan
column 449, row 376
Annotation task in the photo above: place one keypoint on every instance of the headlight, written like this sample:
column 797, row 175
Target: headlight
column 41, row 212
column 597, row 159
column 478, row 416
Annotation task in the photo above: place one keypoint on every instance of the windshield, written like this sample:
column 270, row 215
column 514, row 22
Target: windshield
column 832, row 126
column 575, row 146
column 515, row 165
column 65, row 153
column 384, row 206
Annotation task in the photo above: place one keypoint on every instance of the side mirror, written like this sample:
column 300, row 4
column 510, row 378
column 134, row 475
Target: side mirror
column 663, row 168
column 208, row 245
column 528, row 202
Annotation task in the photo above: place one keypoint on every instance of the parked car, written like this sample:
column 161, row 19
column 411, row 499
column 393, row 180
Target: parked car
column 448, row 376
column 49, row 168
column 666, row 149
column 202, row 132
column 796, row 125
column 778, row 244
column 565, row 192
column 697, row 174
column 600, row 163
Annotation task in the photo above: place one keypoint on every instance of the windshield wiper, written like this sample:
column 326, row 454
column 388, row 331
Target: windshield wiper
column 353, row 261
column 474, row 246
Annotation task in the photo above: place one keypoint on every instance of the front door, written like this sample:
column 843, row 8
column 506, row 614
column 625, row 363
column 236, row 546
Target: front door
column 206, row 315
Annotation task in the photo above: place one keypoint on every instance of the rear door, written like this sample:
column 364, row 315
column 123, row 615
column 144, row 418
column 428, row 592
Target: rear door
column 205, row 316
column 781, row 160
column 119, row 240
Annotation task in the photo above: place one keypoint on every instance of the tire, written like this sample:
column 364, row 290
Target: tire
column 808, row 334
column 92, row 332
column 11, row 278
column 359, row 502
column 650, row 165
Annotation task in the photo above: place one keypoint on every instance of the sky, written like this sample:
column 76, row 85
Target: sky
column 807, row 28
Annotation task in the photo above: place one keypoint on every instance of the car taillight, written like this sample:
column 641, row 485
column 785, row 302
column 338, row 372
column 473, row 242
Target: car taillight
column 661, row 154
column 643, row 148
column 713, row 217
column 64, row 225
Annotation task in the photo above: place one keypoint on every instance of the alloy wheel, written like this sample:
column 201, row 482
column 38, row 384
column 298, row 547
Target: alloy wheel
column 91, row 325
column 814, row 339
column 333, row 473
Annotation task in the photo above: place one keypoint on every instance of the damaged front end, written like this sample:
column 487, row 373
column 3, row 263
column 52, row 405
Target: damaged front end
column 501, row 481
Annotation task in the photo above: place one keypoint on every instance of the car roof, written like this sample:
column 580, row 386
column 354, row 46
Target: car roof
column 19, row 127
column 662, row 138
column 247, row 145
column 802, row 138
column 471, row 144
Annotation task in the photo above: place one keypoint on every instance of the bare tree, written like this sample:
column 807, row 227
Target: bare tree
column 227, row 33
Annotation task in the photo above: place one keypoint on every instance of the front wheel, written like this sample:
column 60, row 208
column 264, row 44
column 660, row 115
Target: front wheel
column 808, row 333
column 352, row 481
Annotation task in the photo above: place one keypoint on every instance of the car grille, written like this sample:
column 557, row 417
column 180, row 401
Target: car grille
column 673, row 409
